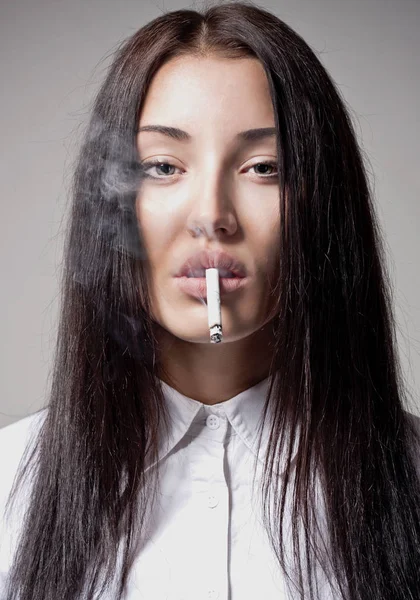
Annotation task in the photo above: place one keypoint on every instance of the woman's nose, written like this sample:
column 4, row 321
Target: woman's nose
column 213, row 213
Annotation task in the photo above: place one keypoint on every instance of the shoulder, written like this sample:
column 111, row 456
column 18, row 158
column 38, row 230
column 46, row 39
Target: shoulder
column 414, row 421
column 15, row 440
column 414, row 438
column 15, row 437
column 23, row 425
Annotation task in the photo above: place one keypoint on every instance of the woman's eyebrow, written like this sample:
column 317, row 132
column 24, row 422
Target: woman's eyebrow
column 250, row 135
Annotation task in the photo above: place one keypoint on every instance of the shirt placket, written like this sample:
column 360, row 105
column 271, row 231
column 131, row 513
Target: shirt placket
column 211, row 498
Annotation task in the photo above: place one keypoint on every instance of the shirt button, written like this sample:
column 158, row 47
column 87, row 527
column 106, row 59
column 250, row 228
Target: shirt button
column 213, row 422
column 212, row 501
column 212, row 594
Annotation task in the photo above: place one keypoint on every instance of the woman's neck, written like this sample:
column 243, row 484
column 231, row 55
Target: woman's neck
column 212, row 373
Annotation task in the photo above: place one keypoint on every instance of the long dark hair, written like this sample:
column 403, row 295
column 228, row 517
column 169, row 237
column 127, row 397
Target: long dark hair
column 335, row 381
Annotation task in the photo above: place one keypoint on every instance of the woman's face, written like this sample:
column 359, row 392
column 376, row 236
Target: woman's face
column 213, row 181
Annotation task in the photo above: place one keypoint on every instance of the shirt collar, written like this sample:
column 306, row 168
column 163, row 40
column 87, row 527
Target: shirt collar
column 244, row 412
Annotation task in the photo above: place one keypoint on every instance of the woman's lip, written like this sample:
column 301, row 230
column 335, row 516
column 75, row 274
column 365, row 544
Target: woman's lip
column 197, row 286
column 188, row 272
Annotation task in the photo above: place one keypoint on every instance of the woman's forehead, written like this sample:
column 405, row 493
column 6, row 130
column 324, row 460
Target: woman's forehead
column 196, row 91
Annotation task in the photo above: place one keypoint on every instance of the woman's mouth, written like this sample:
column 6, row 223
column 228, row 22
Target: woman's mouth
column 196, row 286
column 198, row 273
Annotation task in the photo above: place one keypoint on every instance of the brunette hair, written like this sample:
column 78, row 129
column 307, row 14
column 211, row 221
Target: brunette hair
column 336, row 390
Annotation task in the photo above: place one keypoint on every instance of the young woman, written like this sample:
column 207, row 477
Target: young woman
column 218, row 140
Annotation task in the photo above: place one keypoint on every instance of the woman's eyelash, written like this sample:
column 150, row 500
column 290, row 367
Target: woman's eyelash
column 147, row 165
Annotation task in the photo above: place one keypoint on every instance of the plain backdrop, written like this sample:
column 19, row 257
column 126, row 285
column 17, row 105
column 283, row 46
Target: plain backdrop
column 54, row 54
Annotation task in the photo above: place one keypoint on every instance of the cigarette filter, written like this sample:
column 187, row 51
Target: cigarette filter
column 213, row 305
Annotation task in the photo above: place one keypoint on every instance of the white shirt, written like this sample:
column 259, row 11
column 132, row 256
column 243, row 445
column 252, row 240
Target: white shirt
column 205, row 539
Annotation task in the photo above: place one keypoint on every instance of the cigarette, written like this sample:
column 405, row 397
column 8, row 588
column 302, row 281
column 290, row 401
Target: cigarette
column 213, row 305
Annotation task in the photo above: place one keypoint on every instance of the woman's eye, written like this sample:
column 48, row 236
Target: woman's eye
column 157, row 164
column 270, row 165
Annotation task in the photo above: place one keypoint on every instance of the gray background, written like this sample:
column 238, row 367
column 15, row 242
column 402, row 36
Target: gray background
column 53, row 57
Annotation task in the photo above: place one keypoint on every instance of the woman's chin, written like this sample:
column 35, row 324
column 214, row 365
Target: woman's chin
column 201, row 335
